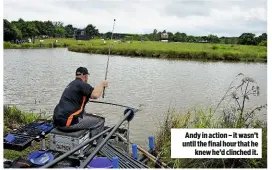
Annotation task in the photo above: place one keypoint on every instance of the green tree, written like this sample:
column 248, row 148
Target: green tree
column 158, row 36
column 49, row 29
column 60, row 31
column 191, row 38
column 155, row 31
column 31, row 30
column 91, row 30
column 19, row 34
column 170, row 36
column 261, row 38
column 40, row 27
column 213, row 39
column 69, row 30
column 9, row 32
column 180, row 37
column 247, row 39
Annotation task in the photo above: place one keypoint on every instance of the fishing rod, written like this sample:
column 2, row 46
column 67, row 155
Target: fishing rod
column 112, row 104
column 120, row 106
column 108, row 58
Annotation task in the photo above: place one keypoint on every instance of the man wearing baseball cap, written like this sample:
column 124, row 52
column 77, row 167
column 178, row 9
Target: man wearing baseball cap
column 68, row 113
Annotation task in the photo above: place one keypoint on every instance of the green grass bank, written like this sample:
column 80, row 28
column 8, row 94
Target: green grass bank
column 201, row 118
column 154, row 49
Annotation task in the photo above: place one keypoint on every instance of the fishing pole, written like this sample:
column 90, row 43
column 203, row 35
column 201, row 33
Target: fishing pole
column 108, row 58
column 112, row 104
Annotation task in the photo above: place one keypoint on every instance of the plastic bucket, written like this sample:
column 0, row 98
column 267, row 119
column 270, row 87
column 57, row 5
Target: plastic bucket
column 100, row 162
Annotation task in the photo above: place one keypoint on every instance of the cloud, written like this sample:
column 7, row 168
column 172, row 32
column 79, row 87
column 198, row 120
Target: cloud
column 194, row 17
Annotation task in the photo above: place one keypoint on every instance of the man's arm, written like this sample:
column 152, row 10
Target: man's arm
column 97, row 92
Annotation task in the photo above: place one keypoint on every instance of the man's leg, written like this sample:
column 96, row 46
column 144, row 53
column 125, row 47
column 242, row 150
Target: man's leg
column 84, row 123
column 94, row 124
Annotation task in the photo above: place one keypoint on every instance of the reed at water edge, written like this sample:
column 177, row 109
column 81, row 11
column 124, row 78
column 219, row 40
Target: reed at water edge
column 233, row 115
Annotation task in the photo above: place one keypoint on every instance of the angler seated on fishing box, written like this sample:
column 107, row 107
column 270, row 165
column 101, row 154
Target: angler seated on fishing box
column 69, row 114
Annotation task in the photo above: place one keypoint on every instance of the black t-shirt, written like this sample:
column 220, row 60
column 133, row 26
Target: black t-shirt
column 71, row 101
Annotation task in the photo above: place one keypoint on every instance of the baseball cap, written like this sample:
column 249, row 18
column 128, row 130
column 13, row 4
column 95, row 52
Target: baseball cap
column 82, row 70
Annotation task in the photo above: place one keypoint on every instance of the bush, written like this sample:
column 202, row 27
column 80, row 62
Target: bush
column 7, row 45
column 263, row 43
column 27, row 45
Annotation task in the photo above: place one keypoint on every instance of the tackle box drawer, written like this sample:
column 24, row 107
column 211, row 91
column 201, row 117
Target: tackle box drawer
column 19, row 143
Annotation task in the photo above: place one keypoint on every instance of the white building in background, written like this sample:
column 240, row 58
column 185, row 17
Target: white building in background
column 164, row 37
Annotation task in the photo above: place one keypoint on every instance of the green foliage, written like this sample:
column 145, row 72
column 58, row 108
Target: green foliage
column 69, row 30
column 198, row 51
column 247, row 39
column 251, row 39
column 27, row 45
column 91, row 30
column 263, row 43
column 7, row 45
column 202, row 51
column 235, row 115
column 60, row 32
column 29, row 29
column 13, row 117
column 9, row 32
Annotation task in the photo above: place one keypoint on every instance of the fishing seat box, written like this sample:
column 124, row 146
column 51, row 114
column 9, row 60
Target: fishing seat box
column 65, row 141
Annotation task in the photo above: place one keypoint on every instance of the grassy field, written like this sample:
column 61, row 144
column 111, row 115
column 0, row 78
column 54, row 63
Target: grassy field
column 198, row 51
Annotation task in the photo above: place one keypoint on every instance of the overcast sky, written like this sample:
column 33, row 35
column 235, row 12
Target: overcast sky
column 194, row 17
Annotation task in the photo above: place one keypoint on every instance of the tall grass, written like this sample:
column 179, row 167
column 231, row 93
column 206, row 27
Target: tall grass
column 155, row 49
column 14, row 118
column 235, row 115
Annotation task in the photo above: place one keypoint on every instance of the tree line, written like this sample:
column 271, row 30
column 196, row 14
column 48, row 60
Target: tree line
column 19, row 30
column 43, row 29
